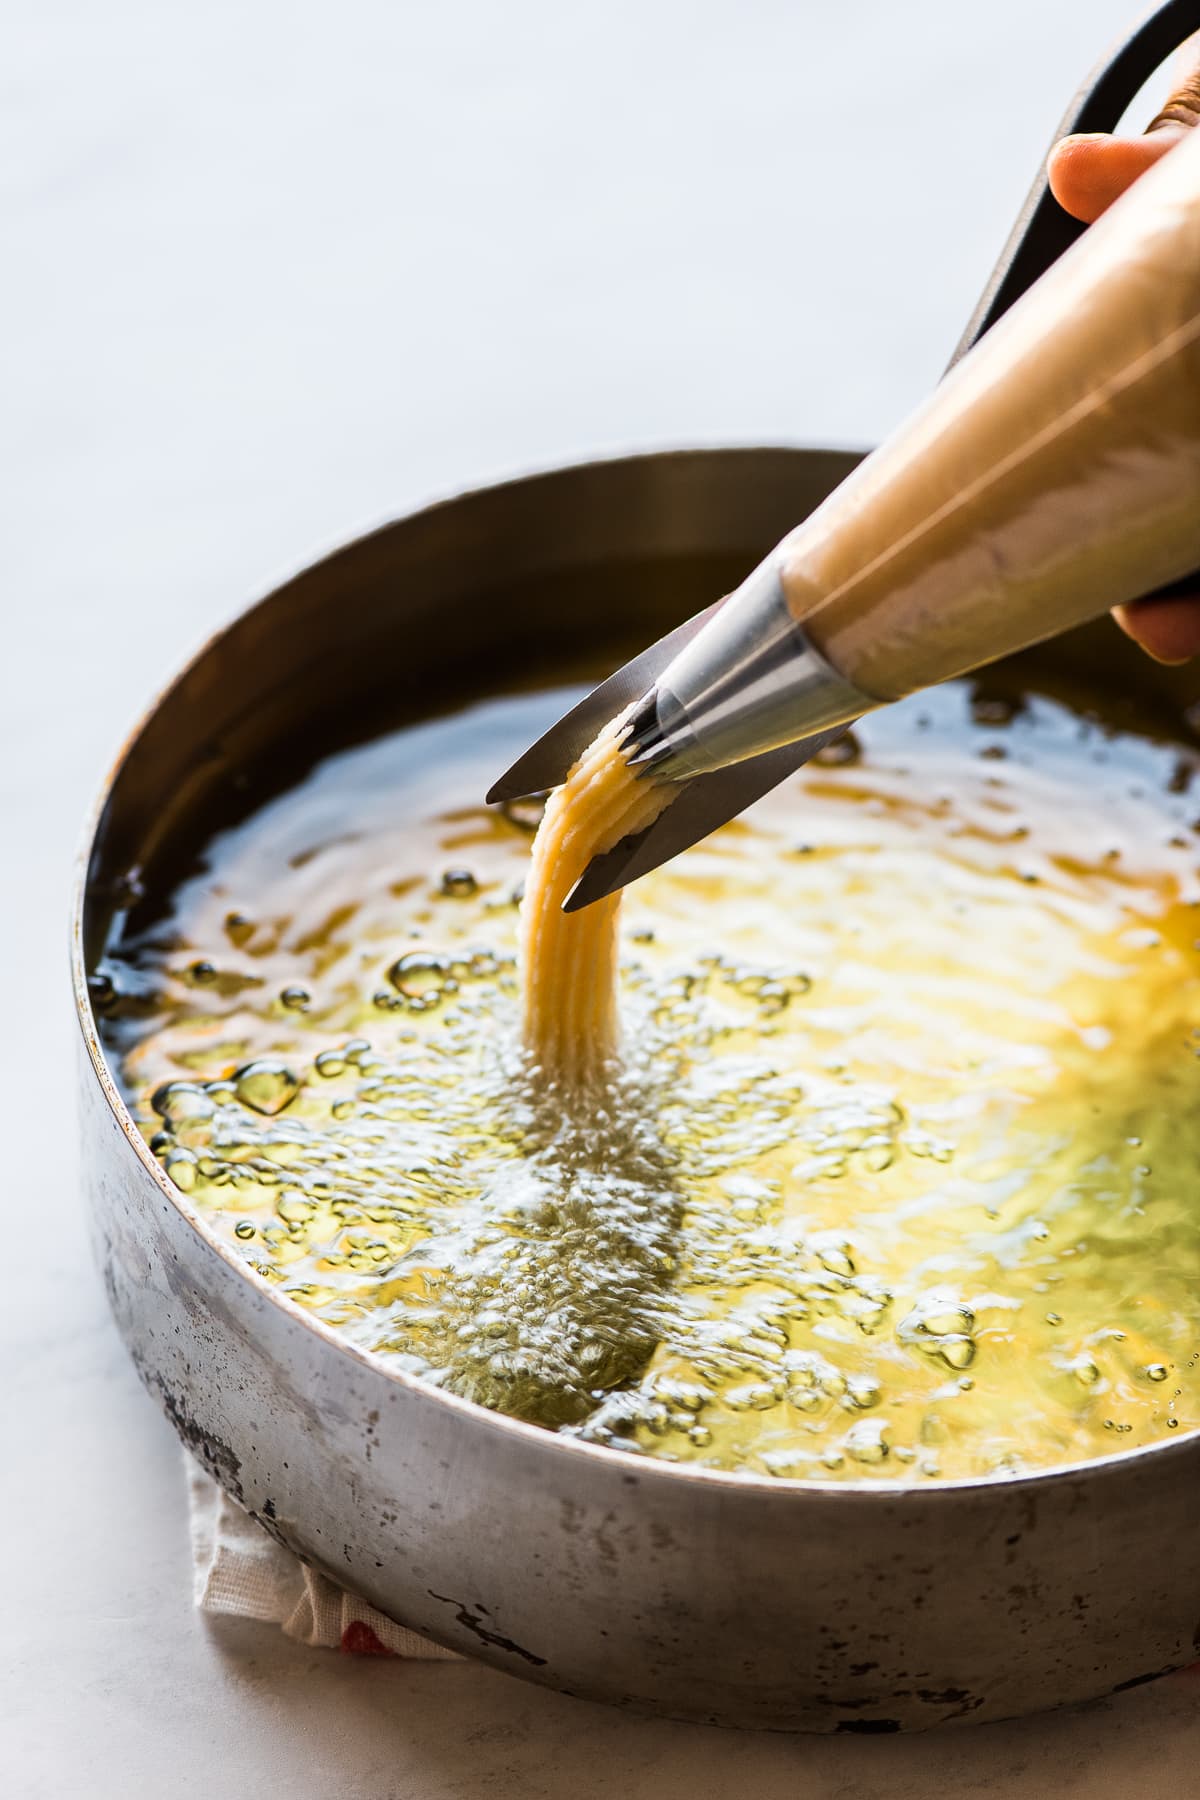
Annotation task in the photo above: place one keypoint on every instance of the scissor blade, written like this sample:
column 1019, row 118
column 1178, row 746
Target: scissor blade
column 703, row 804
column 547, row 763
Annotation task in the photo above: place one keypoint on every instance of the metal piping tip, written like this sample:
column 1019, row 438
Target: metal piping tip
column 605, row 873
column 649, row 762
column 644, row 745
column 643, row 733
column 548, row 762
column 656, row 734
column 700, row 806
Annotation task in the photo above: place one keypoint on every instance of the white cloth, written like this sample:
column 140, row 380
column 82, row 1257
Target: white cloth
column 240, row 1571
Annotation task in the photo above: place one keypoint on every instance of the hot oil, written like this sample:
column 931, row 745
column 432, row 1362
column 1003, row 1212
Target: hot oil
column 895, row 1179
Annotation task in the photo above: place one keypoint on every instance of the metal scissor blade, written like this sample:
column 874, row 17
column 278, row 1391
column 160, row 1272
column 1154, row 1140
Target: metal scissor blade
column 547, row 763
column 703, row 804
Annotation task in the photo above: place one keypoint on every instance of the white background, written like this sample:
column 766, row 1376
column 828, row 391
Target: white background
column 274, row 271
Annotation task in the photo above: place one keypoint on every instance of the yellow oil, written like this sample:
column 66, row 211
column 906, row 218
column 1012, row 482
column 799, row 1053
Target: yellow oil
column 896, row 1177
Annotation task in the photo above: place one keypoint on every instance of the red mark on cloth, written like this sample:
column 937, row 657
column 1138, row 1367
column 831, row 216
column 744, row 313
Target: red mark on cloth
column 359, row 1640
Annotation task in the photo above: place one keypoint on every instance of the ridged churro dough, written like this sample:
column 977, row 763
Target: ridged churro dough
column 569, row 960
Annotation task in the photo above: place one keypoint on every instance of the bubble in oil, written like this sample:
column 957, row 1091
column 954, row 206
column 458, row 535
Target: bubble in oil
column 179, row 1102
column 102, row 991
column 1085, row 1369
column 751, row 1396
column 239, row 929
column 942, row 1326
column 459, row 884
column 866, row 1441
column 422, row 978
column 863, row 1391
column 183, row 1168
column 266, row 1086
column 525, row 812
column 990, row 709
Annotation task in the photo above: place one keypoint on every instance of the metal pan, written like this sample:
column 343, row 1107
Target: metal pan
column 739, row 1600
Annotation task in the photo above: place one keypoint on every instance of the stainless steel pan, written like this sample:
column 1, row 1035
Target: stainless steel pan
column 740, row 1600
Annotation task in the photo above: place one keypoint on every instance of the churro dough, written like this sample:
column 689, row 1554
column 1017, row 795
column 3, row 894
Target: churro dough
column 569, row 960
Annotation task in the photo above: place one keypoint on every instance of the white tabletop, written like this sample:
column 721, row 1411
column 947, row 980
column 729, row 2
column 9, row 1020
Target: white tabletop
column 274, row 271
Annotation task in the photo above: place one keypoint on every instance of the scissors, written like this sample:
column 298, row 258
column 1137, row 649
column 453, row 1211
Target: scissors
column 716, row 710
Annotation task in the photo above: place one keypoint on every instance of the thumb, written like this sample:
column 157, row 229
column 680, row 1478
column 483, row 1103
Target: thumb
column 1091, row 170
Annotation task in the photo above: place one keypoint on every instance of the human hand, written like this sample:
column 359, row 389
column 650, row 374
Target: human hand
column 1087, row 173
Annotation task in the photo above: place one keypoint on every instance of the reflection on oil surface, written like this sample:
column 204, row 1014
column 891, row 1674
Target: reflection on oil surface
column 897, row 1177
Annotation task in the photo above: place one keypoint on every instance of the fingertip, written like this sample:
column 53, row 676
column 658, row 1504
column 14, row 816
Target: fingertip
column 1167, row 630
column 1089, row 171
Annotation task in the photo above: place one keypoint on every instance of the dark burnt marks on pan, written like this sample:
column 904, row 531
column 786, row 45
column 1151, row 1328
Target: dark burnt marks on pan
column 662, row 1537
column 210, row 1451
column 268, row 1519
column 1143, row 1680
column 371, row 1438
column 958, row 1700
column 270, row 1524
column 473, row 1621
column 946, row 1703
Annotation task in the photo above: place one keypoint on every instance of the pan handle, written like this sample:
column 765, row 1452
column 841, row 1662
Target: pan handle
column 1043, row 230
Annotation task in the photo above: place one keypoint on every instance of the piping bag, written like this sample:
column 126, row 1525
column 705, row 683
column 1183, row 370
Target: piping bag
column 1054, row 474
